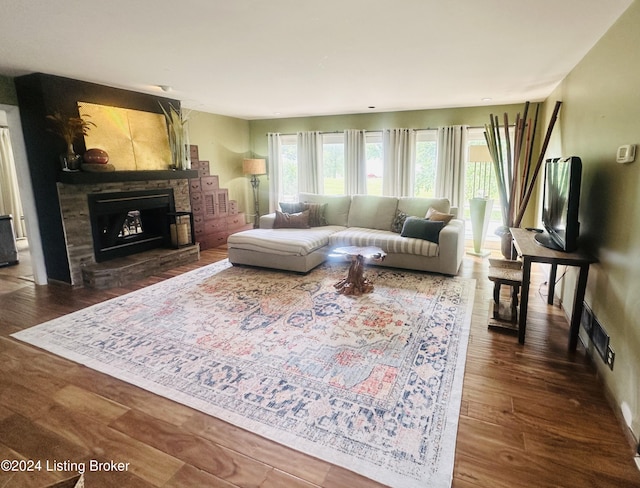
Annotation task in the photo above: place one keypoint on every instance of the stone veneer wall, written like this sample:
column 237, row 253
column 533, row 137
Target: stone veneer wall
column 74, row 207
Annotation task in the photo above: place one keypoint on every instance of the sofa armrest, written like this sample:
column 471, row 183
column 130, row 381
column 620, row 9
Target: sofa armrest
column 451, row 245
column 266, row 221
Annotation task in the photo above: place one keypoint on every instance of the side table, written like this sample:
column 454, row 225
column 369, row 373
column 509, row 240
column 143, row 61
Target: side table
column 532, row 252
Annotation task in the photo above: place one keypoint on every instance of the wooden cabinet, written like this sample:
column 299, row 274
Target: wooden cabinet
column 215, row 217
column 215, row 203
column 209, row 183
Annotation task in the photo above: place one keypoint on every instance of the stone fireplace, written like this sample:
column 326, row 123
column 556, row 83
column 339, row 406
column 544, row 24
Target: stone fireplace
column 129, row 216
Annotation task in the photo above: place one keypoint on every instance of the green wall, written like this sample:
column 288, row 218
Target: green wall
column 601, row 111
column 224, row 142
column 7, row 91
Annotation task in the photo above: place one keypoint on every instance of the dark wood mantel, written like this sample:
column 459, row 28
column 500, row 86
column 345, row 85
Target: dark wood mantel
column 85, row 177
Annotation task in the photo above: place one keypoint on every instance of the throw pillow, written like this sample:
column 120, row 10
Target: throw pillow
column 298, row 220
column 316, row 211
column 292, row 207
column 398, row 222
column 434, row 215
column 418, row 228
column 316, row 214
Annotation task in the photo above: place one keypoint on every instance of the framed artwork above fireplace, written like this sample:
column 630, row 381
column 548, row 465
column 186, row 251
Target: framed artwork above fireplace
column 134, row 139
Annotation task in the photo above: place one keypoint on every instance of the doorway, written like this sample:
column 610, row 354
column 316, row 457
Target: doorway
column 16, row 199
column 12, row 228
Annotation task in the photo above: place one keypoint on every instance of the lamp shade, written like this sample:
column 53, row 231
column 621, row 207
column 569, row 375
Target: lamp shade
column 254, row 166
column 479, row 154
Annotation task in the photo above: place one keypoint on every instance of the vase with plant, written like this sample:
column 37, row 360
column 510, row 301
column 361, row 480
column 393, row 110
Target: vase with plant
column 69, row 129
column 516, row 167
column 178, row 137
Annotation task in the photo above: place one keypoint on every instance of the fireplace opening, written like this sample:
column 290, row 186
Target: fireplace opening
column 132, row 225
column 125, row 223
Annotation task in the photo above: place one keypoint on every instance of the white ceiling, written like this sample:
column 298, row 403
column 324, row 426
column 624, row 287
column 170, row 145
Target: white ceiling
column 283, row 58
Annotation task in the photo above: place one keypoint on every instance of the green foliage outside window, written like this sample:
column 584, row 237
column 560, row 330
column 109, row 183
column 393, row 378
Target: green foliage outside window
column 333, row 168
column 425, row 171
column 289, row 165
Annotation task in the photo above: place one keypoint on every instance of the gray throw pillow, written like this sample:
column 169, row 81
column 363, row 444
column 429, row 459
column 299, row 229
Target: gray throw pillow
column 418, row 228
column 292, row 207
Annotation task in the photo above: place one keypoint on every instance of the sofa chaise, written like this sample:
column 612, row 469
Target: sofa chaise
column 359, row 220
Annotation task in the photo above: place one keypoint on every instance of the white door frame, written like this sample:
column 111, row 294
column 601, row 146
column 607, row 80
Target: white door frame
column 26, row 193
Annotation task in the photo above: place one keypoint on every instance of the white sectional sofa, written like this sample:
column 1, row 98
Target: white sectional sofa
column 359, row 220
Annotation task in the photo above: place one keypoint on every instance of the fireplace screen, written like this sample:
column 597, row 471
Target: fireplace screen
column 126, row 223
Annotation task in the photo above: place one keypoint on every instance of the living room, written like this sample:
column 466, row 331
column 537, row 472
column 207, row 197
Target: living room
column 600, row 113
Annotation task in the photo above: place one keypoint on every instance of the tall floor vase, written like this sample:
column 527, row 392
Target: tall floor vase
column 480, row 210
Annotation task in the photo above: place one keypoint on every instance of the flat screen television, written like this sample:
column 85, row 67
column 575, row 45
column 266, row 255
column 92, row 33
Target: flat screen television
column 561, row 198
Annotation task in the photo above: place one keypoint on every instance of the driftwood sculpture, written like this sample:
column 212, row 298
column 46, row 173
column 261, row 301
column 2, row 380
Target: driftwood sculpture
column 355, row 283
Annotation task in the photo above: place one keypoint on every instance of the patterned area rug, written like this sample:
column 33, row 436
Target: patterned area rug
column 371, row 383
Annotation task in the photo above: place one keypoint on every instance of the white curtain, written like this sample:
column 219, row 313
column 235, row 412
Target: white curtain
column 399, row 154
column 274, row 170
column 10, row 203
column 355, row 162
column 452, row 155
column 310, row 162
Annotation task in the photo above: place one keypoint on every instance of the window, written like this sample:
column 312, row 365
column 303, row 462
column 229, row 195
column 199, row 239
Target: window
column 333, row 164
column 425, row 166
column 480, row 181
column 373, row 143
column 289, row 167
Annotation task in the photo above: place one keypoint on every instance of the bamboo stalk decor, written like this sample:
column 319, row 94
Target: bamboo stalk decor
column 178, row 137
column 512, row 161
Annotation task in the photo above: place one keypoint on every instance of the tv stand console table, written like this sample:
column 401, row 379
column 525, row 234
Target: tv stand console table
column 532, row 252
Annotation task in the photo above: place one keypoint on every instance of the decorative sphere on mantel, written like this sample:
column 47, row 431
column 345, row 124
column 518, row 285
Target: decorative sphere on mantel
column 96, row 156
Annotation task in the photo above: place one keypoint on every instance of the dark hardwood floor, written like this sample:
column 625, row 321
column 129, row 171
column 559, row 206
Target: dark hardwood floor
column 531, row 416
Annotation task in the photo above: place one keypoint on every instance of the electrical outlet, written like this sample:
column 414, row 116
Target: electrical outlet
column 611, row 357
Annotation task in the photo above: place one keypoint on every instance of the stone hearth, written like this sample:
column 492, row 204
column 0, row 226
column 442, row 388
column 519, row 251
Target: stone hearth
column 121, row 271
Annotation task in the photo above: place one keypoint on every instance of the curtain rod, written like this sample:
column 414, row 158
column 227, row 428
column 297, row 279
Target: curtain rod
column 374, row 130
